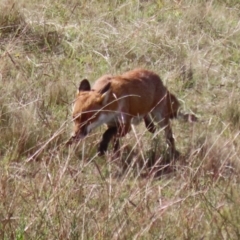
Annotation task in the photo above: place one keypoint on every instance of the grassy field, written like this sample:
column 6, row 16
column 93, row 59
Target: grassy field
column 50, row 191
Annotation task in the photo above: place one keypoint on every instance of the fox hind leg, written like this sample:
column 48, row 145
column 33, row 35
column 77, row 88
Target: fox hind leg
column 164, row 123
column 149, row 124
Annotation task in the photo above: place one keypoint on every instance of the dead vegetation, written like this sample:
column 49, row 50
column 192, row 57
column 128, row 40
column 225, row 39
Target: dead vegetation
column 49, row 191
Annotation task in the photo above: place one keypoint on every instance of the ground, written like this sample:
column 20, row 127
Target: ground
column 50, row 191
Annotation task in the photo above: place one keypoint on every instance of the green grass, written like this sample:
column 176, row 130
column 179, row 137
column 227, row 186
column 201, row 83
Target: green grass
column 50, row 191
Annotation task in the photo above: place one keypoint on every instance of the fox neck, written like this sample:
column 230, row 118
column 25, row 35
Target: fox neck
column 104, row 118
column 109, row 115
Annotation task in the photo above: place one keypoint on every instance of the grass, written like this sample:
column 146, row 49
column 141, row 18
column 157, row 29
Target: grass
column 49, row 191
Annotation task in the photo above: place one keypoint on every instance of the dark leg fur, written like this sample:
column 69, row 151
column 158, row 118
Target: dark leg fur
column 149, row 124
column 106, row 138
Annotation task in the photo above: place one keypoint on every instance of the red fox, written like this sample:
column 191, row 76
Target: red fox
column 102, row 81
column 117, row 100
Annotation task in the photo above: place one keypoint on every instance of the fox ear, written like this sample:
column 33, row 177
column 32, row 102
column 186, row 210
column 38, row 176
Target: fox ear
column 105, row 91
column 84, row 85
column 105, row 88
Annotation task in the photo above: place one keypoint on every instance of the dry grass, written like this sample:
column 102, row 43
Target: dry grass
column 49, row 191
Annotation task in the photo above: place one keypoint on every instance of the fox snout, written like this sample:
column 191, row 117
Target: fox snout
column 76, row 137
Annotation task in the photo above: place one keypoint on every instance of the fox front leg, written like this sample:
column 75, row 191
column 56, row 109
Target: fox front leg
column 106, row 138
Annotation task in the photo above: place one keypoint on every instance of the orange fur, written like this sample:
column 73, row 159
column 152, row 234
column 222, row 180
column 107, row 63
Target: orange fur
column 117, row 100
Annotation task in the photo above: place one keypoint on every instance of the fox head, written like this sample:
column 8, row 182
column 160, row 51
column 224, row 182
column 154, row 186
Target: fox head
column 88, row 109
